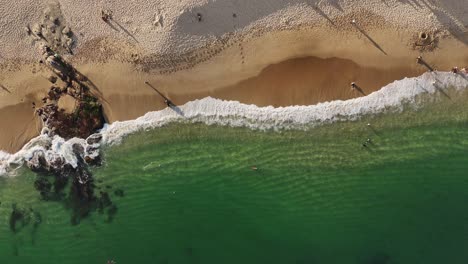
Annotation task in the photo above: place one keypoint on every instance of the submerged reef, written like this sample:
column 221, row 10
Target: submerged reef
column 21, row 218
column 56, row 173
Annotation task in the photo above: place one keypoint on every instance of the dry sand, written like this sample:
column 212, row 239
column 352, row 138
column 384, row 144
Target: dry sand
column 264, row 52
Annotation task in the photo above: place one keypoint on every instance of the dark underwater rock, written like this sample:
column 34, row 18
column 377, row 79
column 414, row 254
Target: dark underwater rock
column 119, row 193
column 18, row 218
column 104, row 201
column 44, row 187
column 111, row 212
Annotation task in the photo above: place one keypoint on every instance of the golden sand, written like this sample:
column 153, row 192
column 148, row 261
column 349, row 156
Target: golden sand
column 289, row 67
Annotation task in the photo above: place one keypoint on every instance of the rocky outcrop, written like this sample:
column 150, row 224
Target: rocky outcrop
column 65, row 176
column 71, row 143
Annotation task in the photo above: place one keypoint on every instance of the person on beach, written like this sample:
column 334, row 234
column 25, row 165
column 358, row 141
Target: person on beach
column 106, row 15
column 419, row 59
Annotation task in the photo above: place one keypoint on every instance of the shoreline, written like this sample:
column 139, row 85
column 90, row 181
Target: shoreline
column 296, row 60
column 47, row 149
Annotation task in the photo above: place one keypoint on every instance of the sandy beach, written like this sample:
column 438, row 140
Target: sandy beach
column 271, row 52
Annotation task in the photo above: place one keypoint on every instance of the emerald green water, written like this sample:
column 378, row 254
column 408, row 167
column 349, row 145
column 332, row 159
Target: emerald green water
column 317, row 196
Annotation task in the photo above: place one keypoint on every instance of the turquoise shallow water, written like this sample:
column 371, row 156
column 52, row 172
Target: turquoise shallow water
column 317, row 196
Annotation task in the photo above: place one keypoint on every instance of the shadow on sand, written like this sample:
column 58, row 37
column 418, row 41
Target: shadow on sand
column 109, row 22
column 4, row 88
column 369, row 38
column 167, row 101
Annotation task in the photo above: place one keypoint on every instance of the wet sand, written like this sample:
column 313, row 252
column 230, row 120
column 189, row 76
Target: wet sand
column 280, row 69
column 301, row 64
column 311, row 80
column 296, row 81
column 19, row 125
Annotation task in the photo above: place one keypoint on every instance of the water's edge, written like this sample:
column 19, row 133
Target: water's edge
column 391, row 98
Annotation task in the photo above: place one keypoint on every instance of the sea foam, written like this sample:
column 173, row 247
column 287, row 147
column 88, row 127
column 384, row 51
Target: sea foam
column 392, row 97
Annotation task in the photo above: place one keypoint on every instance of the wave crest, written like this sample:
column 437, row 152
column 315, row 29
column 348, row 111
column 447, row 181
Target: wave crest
column 55, row 151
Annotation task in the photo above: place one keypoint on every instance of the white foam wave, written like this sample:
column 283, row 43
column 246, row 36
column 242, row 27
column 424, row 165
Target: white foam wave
column 51, row 151
column 230, row 113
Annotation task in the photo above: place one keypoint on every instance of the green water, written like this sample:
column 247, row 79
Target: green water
column 317, row 196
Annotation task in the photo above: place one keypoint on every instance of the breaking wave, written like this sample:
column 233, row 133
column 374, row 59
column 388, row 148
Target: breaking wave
column 53, row 151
